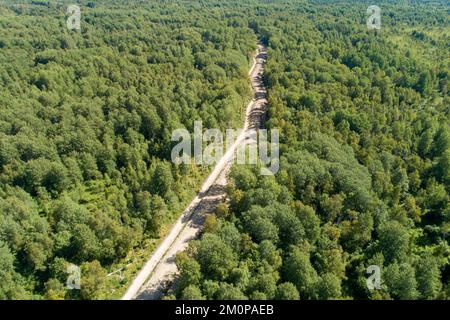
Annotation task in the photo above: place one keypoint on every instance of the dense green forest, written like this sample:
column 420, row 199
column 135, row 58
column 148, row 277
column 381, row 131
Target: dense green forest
column 85, row 139
column 365, row 163
column 85, row 131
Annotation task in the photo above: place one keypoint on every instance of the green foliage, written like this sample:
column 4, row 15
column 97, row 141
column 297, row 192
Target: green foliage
column 299, row 271
column 10, row 283
column 192, row 292
column 92, row 281
column 401, row 281
column 428, row 277
column 216, row 258
column 287, row 291
column 394, row 241
column 364, row 157
column 85, row 139
column 85, row 130
column 329, row 287
column 189, row 271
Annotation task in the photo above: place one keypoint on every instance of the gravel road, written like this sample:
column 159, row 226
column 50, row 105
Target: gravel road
column 160, row 270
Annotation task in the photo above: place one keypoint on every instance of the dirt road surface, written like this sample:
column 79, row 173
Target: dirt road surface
column 160, row 270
